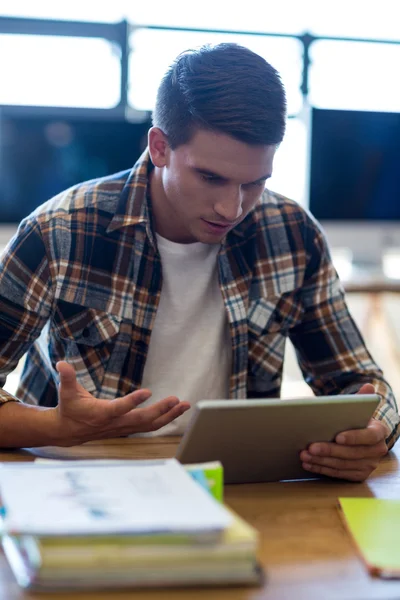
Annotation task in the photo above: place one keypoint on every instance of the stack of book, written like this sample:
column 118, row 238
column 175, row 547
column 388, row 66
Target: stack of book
column 132, row 523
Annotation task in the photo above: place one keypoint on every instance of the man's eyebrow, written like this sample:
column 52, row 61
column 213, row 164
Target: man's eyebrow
column 222, row 178
column 263, row 178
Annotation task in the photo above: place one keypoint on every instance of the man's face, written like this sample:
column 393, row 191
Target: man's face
column 206, row 187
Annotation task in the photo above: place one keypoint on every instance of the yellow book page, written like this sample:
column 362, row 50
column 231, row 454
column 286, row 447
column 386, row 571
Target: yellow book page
column 375, row 527
column 238, row 540
column 239, row 531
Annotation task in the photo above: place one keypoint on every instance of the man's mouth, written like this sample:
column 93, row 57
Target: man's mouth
column 218, row 226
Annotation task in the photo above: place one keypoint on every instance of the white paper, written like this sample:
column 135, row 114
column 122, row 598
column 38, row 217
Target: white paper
column 133, row 497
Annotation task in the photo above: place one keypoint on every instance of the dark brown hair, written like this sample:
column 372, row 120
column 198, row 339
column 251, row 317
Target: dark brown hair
column 224, row 88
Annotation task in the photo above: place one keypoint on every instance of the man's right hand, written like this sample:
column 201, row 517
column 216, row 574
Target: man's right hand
column 80, row 417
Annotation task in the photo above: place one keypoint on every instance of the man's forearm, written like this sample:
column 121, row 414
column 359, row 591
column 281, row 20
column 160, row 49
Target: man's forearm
column 25, row 426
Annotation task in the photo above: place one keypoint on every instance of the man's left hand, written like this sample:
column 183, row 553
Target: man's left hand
column 353, row 455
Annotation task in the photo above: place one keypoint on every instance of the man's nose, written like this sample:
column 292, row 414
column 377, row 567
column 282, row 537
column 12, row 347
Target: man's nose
column 229, row 207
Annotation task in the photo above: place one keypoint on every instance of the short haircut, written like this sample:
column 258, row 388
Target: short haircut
column 224, row 88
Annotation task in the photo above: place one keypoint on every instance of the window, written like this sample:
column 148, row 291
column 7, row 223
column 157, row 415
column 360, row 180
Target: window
column 74, row 10
column 153, row 51
column 355, row 75
column 59, row 71
column 266, row 16
column 290, row 163
column 354, row 18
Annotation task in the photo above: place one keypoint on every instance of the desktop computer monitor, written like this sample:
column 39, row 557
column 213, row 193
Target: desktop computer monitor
column 354, row 185
column 42, row 155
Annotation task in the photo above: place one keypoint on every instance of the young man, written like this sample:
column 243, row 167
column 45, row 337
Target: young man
column 182, row 276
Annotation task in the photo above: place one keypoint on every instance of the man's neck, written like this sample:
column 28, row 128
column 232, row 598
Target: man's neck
column 163, row 214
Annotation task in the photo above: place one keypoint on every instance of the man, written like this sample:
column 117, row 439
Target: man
column 182, row 276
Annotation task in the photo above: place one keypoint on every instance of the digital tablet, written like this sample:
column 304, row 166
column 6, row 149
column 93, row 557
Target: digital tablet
column 260, row 440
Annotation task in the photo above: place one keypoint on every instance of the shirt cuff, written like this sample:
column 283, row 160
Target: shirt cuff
column 6, row 397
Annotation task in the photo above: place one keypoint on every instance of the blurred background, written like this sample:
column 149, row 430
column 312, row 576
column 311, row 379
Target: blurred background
column 78, row 81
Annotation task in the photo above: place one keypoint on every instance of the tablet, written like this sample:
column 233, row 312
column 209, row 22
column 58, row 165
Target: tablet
column 260, row 440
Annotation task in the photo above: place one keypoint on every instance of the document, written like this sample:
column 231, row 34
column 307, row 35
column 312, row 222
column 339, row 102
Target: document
column 130, row 497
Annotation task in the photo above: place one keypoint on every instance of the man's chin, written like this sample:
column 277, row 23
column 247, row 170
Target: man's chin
column 210, row 238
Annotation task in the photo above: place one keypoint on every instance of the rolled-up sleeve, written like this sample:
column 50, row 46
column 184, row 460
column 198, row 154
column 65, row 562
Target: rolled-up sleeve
column 25, row 297
column 331, row 351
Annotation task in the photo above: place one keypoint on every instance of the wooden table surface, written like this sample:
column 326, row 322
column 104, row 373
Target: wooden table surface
column 305, row 550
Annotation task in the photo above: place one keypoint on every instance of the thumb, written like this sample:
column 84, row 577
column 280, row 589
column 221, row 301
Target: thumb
column 68, row 382
column 367, row 388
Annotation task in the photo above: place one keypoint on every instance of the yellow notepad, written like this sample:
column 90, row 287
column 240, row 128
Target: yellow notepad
column 375, row 527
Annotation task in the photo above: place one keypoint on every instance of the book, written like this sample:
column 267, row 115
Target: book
column 239, row 541
column 173, row 574
column 132, row 497
column 51, row 561
column 374, row 525
column 210, row 475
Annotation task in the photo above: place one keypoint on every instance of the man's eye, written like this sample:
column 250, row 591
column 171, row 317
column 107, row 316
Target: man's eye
column 255, row 184
column 211, row 179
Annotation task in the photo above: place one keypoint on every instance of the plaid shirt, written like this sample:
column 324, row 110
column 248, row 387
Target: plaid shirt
column 82, row 278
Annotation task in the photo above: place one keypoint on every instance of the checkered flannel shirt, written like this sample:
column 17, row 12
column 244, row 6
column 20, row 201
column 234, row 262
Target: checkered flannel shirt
column 81, row 281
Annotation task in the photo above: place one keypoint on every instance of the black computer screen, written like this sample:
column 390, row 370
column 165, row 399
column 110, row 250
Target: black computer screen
column 355, row 165
column 40, row 157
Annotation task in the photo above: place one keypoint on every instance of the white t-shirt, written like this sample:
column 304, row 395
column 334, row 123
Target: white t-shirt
column 190, row 348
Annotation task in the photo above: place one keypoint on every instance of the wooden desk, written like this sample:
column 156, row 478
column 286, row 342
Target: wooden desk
column 305, row 550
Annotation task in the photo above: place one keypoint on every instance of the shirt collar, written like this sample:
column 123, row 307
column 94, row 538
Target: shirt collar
column 133, row 204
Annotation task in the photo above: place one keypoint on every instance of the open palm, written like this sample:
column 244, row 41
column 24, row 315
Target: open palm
column 83, row 417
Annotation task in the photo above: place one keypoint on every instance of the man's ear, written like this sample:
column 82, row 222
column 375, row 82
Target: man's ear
column 158, row 147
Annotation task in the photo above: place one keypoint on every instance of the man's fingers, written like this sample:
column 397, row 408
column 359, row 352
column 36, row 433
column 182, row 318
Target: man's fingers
column 347, row 452
column 155, row 416
column 367, row 388
column 373, row 434
column 340, row 464
column 337, row 474
column 172, row 414
column 353, row 455
column 167, row 410
column 121, row 406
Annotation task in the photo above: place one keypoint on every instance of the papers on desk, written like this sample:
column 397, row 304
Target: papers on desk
column 374, row 525
column 128, row 498
column 124, row 523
